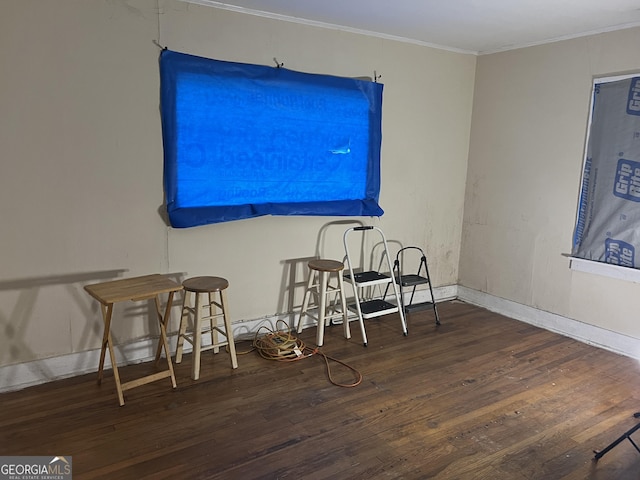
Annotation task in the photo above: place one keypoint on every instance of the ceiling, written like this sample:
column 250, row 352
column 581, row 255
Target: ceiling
column 468, row 26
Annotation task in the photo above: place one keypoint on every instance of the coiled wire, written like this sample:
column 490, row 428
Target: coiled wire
column 282, row 346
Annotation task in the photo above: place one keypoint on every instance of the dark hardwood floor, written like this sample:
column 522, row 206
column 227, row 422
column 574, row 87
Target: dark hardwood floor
column 479, row 397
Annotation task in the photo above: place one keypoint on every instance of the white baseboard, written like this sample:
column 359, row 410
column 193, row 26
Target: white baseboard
column 583, row 332
column 27, row 374
column 22, row 375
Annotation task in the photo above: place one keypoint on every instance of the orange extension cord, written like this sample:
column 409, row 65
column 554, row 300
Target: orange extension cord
column 280, row 345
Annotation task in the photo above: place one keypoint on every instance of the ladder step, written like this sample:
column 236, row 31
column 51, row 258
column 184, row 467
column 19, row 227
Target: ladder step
column 374, row 308
column 418, row 307
column 368, row 278
column 411, row 280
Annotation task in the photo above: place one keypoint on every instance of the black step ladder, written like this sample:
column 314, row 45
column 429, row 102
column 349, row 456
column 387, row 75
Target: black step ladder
column 411, row 281
column 364, row 284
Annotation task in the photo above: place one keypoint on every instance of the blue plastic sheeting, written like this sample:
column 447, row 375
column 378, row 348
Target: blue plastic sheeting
column 243, row 141
column 608, row 225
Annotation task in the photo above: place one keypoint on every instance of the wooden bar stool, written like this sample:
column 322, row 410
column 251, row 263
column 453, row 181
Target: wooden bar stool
column 206, row 308
column 319, row 284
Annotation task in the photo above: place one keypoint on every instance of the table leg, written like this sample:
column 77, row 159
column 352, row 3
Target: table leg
column 107, row 343
column 161, row 319
column 107, row 311
column 164, row 342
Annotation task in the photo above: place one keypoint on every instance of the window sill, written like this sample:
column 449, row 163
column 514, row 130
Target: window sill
column 605, row 269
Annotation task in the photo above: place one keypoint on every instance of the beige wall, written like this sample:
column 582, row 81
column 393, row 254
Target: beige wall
column 81, row 184
column 81, row 167
column 424, row 148
column 526, row 151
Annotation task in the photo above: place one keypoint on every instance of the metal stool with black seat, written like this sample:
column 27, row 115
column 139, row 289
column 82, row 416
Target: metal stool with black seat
column 206, row 307
column 319, row 285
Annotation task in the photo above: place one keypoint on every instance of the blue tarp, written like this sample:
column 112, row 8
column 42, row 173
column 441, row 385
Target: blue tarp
column 242, row 141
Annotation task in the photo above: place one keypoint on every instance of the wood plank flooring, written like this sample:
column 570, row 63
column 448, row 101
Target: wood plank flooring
column 479, row 397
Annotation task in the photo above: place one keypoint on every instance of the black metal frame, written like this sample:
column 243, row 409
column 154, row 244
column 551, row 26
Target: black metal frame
column 406, row 280
column 625, row 436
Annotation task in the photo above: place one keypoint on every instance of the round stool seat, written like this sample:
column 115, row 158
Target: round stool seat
column 205, row 284
column 324, row 265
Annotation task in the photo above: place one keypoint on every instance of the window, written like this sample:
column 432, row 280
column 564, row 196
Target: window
column 243, row 140
column 608, row 224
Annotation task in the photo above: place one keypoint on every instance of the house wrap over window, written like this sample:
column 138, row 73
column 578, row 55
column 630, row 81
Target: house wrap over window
column 608, row 225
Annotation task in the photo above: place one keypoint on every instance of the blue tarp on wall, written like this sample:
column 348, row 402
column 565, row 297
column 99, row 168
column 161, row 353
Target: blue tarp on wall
column 244, row 140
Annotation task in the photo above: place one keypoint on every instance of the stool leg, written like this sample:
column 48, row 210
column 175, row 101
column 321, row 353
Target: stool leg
column 184, row 319
column 322, row 308
column 305, row 301
column 227, row 328
column 343, row 302
column 213, row 322
column 197, row 338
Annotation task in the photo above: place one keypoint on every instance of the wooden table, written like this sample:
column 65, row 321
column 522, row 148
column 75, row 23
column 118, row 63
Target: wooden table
column 134, row 289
